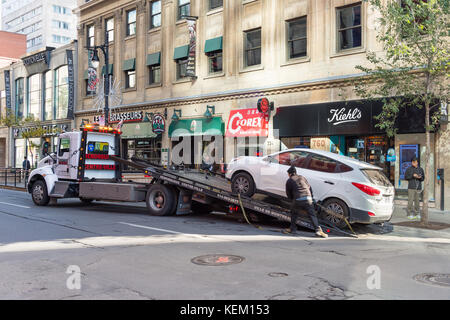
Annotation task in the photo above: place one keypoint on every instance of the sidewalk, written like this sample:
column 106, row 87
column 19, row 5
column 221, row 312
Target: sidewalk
column 435, row 215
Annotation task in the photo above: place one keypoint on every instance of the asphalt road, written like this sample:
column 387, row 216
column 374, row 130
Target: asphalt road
column 123, row 253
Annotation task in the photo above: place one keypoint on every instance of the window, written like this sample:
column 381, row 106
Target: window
column 215, row 62
column 293, row 158
column 322, row 164
column 48, row 95
column 64, row 146
column 184, row 8
column 296, row 38
column 61, row 92
column 181, row 68
column 130, row 79
column 60, row 39
column 213, row 4
column 34, row 42
column 34, row 96
column 131, row 22
column 155, row 14
column 19, row 98
column 60, row 24
column 91, row 36
column 252, row 54
column 109, row 23
column 155, row 74
column 349, row 27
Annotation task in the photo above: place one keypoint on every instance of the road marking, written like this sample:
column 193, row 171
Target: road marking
column 150, row 228
column 15, row 205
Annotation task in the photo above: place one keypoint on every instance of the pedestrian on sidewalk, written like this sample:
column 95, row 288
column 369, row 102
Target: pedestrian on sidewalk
column 300, row 193
column 415, row 175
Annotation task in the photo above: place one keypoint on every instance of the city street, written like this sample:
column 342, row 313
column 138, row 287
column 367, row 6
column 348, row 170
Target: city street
column 123, row 253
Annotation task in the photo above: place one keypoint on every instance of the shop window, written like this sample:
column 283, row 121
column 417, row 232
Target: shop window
column 20, row 98
column 296, row 33
column 349, row 27
column 131, row 22
column 184, row 8
column 34, row 95
column 252, row 56
column 322, row 164
column 61, row 92
column 48, row 92
column 250, row 146
column 155, row 14
column 295, row 142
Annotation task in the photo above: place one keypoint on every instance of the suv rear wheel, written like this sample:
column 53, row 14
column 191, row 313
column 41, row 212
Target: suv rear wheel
column 243, row 184
column 337, row 206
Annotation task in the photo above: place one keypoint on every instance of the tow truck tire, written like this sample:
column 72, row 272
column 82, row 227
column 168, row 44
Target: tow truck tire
column 39, row 193
column 161, row 200
column 243, row 183
column 337, row 206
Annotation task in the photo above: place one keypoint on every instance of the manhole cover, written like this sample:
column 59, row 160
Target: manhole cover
column 439, row 279
column 217, row 260
column 277, row 274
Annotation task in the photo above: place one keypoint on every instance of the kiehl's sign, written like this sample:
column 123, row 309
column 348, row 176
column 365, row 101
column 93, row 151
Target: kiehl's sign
column 132, row 116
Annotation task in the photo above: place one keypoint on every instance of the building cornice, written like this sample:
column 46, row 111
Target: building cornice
column 317, row 84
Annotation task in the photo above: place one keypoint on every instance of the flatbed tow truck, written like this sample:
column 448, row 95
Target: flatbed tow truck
column 88, row 166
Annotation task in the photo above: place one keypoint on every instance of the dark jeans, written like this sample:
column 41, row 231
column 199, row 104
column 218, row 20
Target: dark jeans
column 309, row 208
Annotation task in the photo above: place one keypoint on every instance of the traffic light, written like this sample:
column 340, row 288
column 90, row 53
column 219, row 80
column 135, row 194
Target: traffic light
column 45, row 147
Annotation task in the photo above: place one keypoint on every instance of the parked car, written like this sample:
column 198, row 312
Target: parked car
column 356, row 189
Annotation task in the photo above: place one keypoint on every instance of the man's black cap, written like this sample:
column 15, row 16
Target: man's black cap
column 292, row 170
column 414, row 159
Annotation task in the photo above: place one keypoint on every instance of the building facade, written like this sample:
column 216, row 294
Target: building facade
column 42, row 85
column 46, row 23
column 298, row 54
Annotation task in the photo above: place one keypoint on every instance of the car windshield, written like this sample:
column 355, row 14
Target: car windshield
column 377, row 177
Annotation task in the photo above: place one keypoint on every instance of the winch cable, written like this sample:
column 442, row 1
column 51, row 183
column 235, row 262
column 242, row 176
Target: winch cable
column 245, row 215
column 337, row 215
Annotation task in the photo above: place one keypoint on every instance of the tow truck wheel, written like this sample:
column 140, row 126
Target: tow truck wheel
column 161, row 200
column 337, row 206
column 39, row 193
column 243, row 183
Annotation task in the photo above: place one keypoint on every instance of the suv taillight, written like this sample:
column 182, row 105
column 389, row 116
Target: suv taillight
column 367, row 189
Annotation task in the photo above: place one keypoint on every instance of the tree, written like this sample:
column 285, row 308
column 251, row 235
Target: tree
column 413, row 69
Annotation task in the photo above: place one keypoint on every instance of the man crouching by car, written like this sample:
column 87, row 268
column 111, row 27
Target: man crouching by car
column 300, row 193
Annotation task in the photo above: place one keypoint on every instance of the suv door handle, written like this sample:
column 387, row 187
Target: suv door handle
column 329, row 182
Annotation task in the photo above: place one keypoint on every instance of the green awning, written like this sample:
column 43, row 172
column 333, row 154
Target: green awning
column 137, row 131
column 110, row 69
column 154, row 59
column 213, row 45
column 181, row 52
column 129, row 64
column 197, row 127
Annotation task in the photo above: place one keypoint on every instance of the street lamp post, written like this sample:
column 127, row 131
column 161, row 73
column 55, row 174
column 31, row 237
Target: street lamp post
column 95, row 63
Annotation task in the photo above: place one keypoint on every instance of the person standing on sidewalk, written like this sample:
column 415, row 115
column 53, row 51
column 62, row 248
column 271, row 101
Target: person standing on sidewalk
column 300, row 193
column 415, row 175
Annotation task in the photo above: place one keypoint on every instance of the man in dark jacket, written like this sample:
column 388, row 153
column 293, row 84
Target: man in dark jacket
column 415, row 175
column 300, row 193
column 26, row 164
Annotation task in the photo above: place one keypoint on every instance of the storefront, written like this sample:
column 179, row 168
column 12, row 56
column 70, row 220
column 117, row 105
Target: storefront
column 141, row 134
column 193, row 140
column 349, row 128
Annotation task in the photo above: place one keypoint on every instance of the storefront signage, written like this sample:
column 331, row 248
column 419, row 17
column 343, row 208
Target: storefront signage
column 132, row 116
column 344, row 115
column 8, row 89
column 247, row 123
column 158, row 124
column 391, row 157
column 192, row 27
column 71, row 74
column 49, row 130
column 35, row 58
column 320, row 144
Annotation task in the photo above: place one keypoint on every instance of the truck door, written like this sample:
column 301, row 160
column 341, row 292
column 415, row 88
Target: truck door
column 63, row 165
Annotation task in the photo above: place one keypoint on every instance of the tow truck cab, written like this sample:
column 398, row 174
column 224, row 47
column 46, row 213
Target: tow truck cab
column 81, row 156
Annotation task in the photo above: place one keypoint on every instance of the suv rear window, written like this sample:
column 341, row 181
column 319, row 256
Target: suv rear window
column 376, row 177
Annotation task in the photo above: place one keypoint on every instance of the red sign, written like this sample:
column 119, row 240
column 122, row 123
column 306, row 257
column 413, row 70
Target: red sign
column 99, row 167
column 247, row 123
column 97, row 156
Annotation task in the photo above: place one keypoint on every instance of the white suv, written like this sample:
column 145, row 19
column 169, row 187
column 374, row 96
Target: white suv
column 347, row 186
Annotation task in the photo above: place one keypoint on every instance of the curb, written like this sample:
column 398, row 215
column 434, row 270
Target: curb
column 13, row 188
